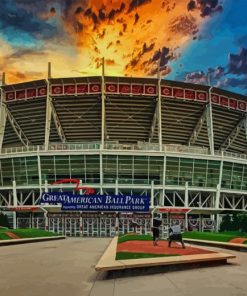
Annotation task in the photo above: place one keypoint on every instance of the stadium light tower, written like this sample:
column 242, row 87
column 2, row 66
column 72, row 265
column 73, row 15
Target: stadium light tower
column 159, row 108
column 210, row 117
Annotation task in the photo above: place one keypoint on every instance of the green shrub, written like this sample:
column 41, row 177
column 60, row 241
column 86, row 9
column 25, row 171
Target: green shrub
column 4, row 220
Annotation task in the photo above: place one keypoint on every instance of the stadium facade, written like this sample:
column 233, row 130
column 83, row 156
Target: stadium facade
column 184, row 145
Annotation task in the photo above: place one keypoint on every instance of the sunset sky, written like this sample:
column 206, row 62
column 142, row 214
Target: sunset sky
column 191, row 39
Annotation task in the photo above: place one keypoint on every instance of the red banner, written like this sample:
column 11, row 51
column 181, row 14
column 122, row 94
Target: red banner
column 178, row 93
column 137, row 89
column 42, row 92
column 166, row 91
column 242, row 105
column 69, row 89
column 31, row 93
column 150, row 90
column 233, row 104
column 124, row 88
column 56, row 90
column 215, row 99
column 189, row 94
column 20, row 94
column 95, row 88
column 111, row 88
column 224, row 101
column 201, row 96
column 173, row 210
column 82, row 88
column 10, row 96
column 23, row 209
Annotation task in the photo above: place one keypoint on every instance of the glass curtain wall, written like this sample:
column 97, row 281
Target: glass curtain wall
column 128, row 169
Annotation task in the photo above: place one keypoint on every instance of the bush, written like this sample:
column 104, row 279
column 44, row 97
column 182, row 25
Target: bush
column 4, row 220
column 243, row 223
column 226, row 223
column 238, row 222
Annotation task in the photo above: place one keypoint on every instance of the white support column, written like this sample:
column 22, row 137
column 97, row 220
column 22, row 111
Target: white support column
column 3, row 120
column 103, row 128
column 3, row 114
column 217, row 198
column 48, row 117
column 209, row 117
column 218, row 187
column 116, row 187
column 46, row 212
column 15, row 203
column 186, row 195
column 101, row 172
column 152, row 194
column 159, row 111
column 245, row 127
column 164, row 182
column 81, row 219
column 40, row 176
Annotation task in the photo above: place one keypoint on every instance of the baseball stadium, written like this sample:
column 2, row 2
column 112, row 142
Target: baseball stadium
column 183, row 145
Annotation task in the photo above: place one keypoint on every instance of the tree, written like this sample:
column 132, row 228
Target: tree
column 243, row 223
column 226, row 223
column 235, row 225
column 4, row 220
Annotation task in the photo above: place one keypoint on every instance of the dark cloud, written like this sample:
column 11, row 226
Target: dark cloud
column 124, row 27
column 136, row 3
column 184, row 24
column 79, row 10
column 237, row 63
column 146, row 48
column 88, row 12
column 110, row 62
column 21, row 53
column 136, row 18
column 53, row 10
column 207, row 7
column 17, row 18
column 197, row 77
column 137, row 57
column 162, row 55
column 216, row 73
column 102, row 14
column 191, row 5
column 233, row 82
column 112, row 14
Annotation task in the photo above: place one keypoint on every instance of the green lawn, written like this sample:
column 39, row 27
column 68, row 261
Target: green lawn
column 129, row 255
column 25, row 233
column 213, row 236
column 129, row 237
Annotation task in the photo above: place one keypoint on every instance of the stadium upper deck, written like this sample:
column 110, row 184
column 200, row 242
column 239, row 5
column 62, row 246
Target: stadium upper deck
column 123, row 110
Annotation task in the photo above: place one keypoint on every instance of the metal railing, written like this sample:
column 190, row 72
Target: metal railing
column 149, row 147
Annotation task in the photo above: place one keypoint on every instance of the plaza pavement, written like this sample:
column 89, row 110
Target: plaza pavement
column 66, row 268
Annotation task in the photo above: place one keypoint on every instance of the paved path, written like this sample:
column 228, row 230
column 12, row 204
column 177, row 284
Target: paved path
column 64, row 268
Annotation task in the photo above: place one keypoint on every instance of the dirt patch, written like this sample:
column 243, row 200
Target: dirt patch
column 12, row 235
column 162, row 248
column 238, row 240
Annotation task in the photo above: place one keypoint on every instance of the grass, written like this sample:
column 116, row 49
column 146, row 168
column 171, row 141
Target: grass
column 25, row 233
column 129, row 255
column 130, row 237
column 213, row 236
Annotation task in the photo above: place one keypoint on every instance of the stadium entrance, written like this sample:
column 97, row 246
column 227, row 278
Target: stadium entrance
column 109, row 224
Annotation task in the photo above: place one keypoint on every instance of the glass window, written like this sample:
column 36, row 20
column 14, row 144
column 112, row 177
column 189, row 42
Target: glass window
column 7, row 169
column 156, row 167
column 110, row 168
column 92, row 168
column 125, row 169
column 172, row 170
